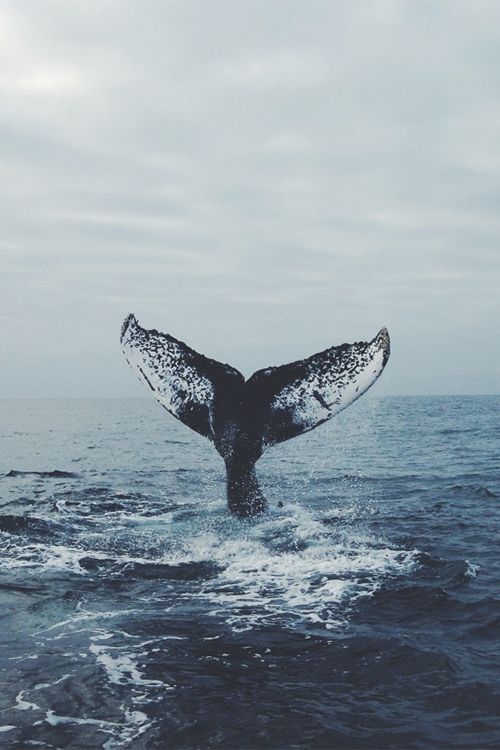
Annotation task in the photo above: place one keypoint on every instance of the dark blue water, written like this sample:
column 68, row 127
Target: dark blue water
column 364, row 613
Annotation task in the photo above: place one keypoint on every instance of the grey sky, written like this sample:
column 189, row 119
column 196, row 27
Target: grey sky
column 261, row 180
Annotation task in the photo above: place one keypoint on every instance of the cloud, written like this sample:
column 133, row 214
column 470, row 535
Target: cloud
column 262, row 181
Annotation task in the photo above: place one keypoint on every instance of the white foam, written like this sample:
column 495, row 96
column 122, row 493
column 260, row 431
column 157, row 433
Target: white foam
column 310, row 585
column 55, row 720
column 23, row 705
column 122, row 733
column 293, row 565
column 85, row 616
column 43, row 685
column 122, row 668
column 318, row 581
column 472, row 569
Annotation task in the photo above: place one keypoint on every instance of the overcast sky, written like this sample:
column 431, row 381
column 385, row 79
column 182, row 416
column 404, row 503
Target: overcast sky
column 261, row 180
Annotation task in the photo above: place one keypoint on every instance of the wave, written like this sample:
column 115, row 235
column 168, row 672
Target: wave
column 287, row 567
column 55, row 474
column 135, row 569
column 484, row 492
column 29, row 525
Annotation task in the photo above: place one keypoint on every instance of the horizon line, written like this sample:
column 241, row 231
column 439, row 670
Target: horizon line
column 148, row 398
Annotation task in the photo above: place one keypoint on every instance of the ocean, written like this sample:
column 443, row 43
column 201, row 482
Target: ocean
column 137, row 613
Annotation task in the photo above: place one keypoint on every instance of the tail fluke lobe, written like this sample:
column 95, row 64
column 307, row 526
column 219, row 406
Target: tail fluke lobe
column 184, row 382
column 295, row 398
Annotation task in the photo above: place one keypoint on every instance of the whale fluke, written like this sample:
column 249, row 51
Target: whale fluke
column 185, row 383
column 243, row 418
column 297, row 397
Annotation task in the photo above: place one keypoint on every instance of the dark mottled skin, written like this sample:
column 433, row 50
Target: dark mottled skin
column 241, row 417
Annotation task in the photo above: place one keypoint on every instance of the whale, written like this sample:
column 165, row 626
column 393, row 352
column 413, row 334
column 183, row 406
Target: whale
column 244, row 417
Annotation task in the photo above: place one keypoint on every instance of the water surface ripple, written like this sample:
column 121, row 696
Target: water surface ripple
column 137, row 613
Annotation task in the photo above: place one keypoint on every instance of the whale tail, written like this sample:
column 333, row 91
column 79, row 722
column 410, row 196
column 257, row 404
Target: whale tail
column 243, row 418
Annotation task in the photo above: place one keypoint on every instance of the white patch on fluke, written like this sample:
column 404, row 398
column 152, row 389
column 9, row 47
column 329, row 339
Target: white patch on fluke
column 333, row 379
column 162, row 364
